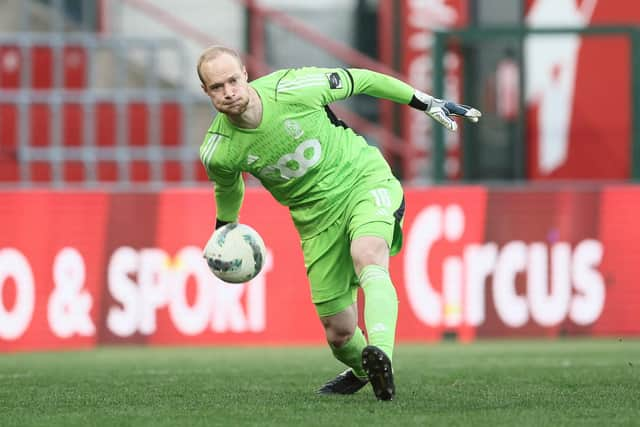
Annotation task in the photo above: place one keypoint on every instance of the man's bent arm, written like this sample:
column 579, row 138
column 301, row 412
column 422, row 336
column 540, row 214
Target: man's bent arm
column 228, row 200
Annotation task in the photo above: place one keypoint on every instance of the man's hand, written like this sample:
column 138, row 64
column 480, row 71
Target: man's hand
column 441, row 111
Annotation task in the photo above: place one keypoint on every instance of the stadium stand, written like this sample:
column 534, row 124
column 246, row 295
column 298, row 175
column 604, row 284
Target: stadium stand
column 82, row 108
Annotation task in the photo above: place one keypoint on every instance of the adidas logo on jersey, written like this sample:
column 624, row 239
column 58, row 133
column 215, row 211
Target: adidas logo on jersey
column 252, row 159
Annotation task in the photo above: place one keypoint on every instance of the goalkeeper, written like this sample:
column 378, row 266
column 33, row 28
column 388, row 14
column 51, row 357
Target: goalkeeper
column 342, row 196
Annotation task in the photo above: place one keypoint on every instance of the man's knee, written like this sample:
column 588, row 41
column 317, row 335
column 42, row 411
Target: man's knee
column 368, row 250
column 340, row 327
column 337, row 337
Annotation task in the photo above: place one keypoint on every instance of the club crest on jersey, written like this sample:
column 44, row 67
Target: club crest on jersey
column 334, row 80
column 293, row 128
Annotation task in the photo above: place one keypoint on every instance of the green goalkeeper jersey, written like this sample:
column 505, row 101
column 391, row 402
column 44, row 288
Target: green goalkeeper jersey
column 300, row 152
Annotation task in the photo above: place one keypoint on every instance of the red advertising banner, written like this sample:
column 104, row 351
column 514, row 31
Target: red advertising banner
column 51, row 268
column 432, row 271
column 620, row 234
column 84, row 268
column 567, row 136
column 547, row 260
column 80, row 269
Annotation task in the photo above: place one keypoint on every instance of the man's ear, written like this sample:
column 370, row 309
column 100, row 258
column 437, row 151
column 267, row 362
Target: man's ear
column 204, row 89
column 244, row 73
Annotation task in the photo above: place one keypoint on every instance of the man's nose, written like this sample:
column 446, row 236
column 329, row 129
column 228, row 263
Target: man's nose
column 228, row 91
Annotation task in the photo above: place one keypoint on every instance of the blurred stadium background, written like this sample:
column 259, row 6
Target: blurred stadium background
column 523, row 226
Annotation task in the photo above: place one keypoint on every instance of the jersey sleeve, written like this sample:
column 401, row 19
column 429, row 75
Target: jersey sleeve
column 380, row 85
column 314, row 86
column 322, row 86
column 229, row 185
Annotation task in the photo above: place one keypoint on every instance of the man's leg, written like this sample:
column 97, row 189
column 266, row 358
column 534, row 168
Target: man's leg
column 380, row 307
column 347, row 342
column 370, row 255
column 371, row 259
column 345, row 338
column 334, row 283
column 375, row 234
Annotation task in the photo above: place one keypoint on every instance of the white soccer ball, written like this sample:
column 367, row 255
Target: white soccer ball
column 235, row 253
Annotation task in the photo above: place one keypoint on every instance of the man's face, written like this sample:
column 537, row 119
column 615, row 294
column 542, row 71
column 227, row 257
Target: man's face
column 225, row 82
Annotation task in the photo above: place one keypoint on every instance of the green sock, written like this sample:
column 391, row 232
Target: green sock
column 351, row 352
column 380, row 307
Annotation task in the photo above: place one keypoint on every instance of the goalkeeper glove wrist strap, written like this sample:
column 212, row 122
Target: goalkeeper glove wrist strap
column 220, row 223
column 421, row 101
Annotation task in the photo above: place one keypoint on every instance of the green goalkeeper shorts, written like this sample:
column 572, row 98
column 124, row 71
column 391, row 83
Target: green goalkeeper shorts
column 375, row 208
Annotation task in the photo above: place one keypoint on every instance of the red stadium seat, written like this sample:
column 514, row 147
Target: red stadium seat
column 140, row 171
column 105, row 122
column 73, row 171
column 138, row 115
column 72, row 125
column 8, row 127
column 40, row 131
column 41, row 172
column 75, row 67
column 41, row 67
column 107, row 171
column 172, row 171
column 9, row 171
column 9, row 168
column 171, row 122
column 201, row 174
column 10, row 63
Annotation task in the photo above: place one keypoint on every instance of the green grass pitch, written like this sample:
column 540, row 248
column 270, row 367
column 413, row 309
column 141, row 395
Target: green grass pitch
column 511, row 383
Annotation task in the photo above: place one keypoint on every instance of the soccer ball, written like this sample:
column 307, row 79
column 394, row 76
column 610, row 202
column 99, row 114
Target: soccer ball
column 235, row 253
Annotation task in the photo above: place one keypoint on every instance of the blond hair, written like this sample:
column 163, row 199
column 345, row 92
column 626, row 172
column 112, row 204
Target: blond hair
column 212, row 52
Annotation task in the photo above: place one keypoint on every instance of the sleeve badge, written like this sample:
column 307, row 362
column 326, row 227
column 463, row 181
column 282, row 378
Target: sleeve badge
column 334, row 80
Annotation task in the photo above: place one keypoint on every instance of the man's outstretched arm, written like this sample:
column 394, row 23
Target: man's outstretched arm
column 383, row 86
